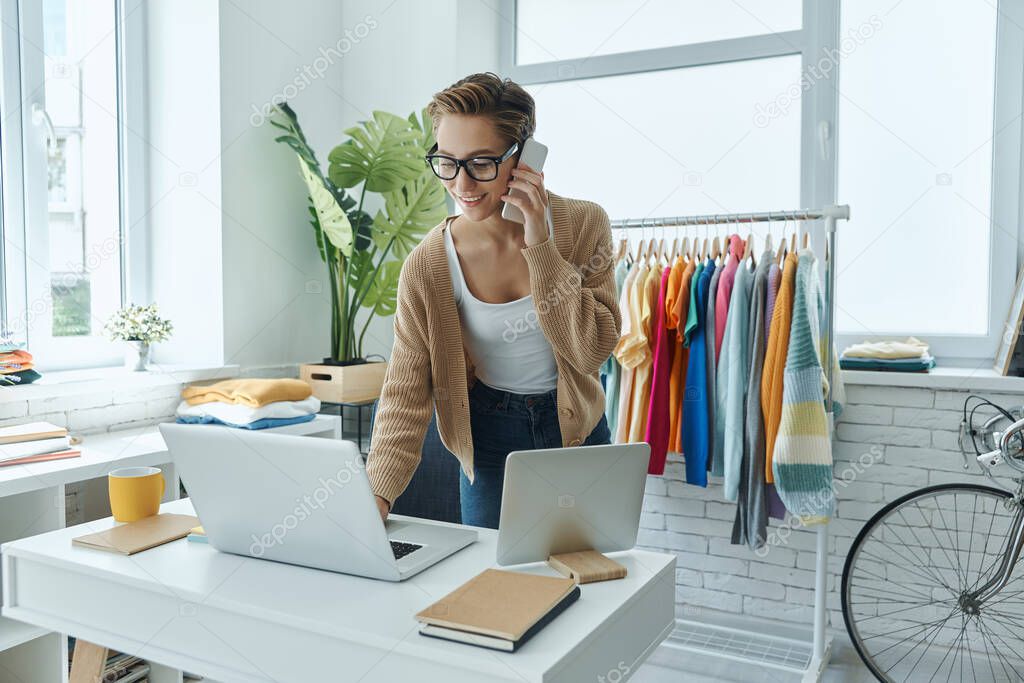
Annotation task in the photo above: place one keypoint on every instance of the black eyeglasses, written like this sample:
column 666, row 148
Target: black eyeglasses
column 478, row 168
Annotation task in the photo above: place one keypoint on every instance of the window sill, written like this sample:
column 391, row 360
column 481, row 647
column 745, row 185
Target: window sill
column 73, row 382
column 980, row 378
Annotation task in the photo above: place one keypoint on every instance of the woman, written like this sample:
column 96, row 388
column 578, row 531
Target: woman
column 501, row 327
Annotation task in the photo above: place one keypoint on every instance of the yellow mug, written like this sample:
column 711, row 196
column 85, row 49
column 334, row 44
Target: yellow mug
column 135, row 492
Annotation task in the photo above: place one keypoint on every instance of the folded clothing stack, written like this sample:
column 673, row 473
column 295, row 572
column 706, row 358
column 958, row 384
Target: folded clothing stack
column 249, row 403
column 16, row 366
column 910, row 355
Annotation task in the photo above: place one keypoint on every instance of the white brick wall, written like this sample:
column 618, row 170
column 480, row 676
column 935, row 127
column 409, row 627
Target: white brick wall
column 889, row 441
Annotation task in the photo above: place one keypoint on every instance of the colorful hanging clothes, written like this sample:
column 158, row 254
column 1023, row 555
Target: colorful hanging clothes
column 681, row 359
column 751, row 524
column 803, row 450
column 775, row 359
column 642, row 379
column 710, row 342
column 776, row 508
column 731, row 391
column 724, row 294
column 695, row 403
column 624, row 353
column 675, row 388
column 658, row 419
column 612, row 370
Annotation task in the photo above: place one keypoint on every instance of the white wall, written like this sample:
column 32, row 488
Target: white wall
column 414, row 52
column 276, row 298
column 234, row 262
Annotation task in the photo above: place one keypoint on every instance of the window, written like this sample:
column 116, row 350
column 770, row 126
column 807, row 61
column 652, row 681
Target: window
column 66, row 272
column 675, row 158
column 602, row 27
column 673, row 108
column 916, row 166
column 906, row 110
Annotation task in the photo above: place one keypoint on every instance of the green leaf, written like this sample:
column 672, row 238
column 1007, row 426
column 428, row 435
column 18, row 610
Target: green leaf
column 384, row 154
column 425, row 126
column 333, row 221
column 382, row 295
column 409, row 213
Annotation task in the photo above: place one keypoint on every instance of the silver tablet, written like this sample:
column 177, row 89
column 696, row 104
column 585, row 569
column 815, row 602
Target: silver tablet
column 561, row 500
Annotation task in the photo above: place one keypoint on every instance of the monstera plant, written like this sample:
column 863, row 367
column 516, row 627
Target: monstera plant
column 364, row 253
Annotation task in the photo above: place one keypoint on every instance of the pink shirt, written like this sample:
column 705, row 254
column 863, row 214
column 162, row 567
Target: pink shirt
column 725, row 291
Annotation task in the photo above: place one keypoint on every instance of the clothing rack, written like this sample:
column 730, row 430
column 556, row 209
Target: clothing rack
column 787, row 654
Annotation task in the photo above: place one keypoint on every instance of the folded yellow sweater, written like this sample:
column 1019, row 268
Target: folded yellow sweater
column 251, row 392
column 895, row 349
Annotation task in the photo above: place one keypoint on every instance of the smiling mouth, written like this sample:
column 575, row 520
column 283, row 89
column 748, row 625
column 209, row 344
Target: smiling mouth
column 471, row 200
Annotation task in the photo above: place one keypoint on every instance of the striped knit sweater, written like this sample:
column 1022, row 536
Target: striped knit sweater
column 802, row 458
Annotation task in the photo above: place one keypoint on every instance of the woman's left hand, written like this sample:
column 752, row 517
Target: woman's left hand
column 532, row 202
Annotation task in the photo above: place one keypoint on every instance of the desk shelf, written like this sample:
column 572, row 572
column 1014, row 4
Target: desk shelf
column 32, row 501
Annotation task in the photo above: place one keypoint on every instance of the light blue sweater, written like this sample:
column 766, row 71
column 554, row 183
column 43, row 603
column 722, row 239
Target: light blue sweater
column 611, row 368
column 731, row 389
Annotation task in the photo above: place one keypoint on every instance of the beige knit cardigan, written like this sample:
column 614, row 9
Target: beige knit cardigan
column 573, row 288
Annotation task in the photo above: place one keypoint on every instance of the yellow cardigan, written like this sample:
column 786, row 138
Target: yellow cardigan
column 775, row 361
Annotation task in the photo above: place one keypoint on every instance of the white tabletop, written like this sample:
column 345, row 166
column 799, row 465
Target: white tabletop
column 241, row 619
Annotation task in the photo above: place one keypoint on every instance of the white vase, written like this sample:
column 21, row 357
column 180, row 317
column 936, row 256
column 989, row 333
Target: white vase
column 136, row 358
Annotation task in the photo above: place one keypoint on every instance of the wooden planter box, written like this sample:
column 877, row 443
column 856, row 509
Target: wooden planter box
column 344, row 383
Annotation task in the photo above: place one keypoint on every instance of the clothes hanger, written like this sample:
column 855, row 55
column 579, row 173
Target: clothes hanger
column 623, row 249
column 748, row 248
column 661, row 241
column 783, row 247
column 716, row 247
column 807, row 238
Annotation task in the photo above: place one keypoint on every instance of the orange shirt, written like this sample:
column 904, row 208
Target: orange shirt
column 681, row 357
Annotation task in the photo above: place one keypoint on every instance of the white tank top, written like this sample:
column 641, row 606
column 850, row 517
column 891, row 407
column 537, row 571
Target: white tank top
column 504, row 341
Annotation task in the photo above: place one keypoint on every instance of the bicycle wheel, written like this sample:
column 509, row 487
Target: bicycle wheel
column 905, row 576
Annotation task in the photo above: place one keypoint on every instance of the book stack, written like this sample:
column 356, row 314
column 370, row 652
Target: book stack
column 119, row 667
column 498, row 609
column 34, row 442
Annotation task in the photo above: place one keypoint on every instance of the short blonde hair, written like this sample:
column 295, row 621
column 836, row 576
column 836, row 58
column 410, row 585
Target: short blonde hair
column 504, row 102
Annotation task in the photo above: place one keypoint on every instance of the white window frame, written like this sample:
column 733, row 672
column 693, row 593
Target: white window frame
column 818, row 36
column 25, row 305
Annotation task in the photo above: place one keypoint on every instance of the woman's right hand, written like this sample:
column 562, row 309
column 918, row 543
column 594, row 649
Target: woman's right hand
column 383, row 507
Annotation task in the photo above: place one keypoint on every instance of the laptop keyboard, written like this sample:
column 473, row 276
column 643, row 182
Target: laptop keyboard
column 402, row 549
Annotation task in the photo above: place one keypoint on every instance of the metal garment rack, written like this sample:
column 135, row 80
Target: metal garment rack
column 777, row 652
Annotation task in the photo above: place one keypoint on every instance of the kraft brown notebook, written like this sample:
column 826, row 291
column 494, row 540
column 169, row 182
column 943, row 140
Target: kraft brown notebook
column 128, row 539
column 498, row 603
column 587, row 566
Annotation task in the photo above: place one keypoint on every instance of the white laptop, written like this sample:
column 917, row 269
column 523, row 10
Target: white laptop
column 562, row 500
column 301, row 500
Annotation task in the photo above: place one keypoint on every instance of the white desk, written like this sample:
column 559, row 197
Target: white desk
column 32, row 502
column 234, row 618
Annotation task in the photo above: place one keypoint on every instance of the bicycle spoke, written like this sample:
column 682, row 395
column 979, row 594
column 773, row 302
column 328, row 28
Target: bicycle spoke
column 959, row 637
column 935, row 631
column 887, row 614
column 1003, row 661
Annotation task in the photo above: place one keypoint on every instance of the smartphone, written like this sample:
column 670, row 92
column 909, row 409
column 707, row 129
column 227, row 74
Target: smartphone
column 533, row 155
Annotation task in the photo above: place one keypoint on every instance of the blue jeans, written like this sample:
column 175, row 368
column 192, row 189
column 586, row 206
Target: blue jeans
column 503, row 422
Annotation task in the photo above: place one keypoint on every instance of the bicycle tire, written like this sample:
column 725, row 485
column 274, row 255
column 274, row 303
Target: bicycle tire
column 866, row 533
